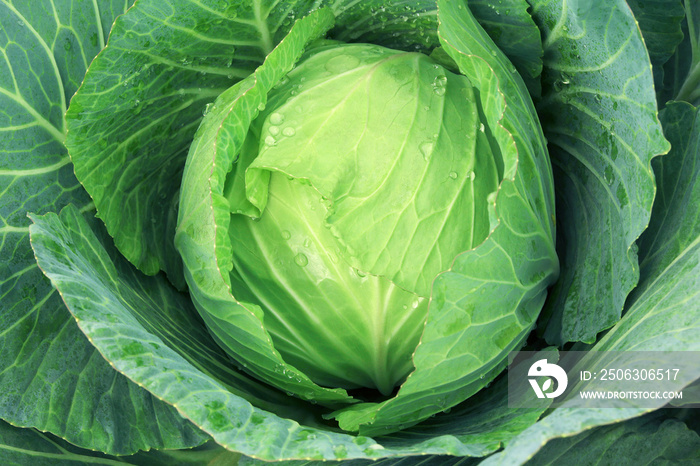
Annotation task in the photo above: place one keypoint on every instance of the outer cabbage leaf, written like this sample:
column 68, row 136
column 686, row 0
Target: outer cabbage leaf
column 51, row 377
column 660, row 23
column 598, row 112
column 124, row 313
column 30, row 446
column 684, row 82
column 649, row 440
column 166, row 60
column 664, row 313
column 512, row 29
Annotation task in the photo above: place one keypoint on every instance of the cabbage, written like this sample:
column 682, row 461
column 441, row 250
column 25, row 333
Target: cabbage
column 264, row 231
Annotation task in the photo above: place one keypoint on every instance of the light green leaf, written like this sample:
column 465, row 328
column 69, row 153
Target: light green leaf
column 51, row 377
column 664, row 311
column 598, row 111
column 204, row 216
column 487, row 303
column 429, row 186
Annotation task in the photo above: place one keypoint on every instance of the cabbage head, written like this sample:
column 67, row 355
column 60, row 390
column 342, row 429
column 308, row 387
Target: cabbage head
column 355, row 223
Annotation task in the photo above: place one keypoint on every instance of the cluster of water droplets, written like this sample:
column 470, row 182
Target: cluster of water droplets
column 277, row 129
column 292, row 375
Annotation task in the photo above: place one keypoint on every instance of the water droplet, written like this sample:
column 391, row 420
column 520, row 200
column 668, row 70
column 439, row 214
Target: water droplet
column 274, row 130
column 439, row 84
column 281, row 82
column 301, row 260
column 276, row 118
column 453, row 175
column 286, row 234
column 471, row 175
column 261, row 106
column 289, row 131
column 340, row 451
column 426, row 148
column 360, row 273
column 206, row 109
column 20, row 23
column 270, row 141
column 482, row 128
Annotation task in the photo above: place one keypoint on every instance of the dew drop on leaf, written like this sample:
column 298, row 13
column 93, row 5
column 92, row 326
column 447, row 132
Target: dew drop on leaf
column 426, row 148
column 301, row 260
column 276, row 118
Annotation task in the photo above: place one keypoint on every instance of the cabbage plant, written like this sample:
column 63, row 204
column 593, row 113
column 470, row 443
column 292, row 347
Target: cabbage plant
column 243, row 231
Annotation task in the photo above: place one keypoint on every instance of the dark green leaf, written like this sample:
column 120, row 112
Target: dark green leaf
column 31, row 447
column 660, row 23
column 684, row 82
column 649, row 440
column 598, row 112
column 51, row 377
column 675, row 220
column 511, row 27
column 664, row 312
